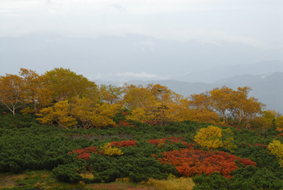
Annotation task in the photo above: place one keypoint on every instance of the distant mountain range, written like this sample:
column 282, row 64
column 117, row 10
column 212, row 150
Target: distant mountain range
column 134, row 57
column 267, row 88
column 189, row 67
column 221, row 72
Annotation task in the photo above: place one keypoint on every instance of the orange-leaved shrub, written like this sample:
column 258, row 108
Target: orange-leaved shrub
column 190, row 162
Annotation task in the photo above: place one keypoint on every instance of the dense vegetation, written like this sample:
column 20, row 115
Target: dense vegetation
column 63, row 123
column 26, row 145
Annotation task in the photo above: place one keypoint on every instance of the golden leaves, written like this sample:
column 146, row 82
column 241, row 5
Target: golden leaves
column 90, row 113
column 11, row 91
column 276, row 148
column 214, row 137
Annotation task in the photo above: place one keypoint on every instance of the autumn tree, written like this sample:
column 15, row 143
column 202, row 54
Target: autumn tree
column 141, row 102
column 266, row 119
column 93, row 113
column 136, row 96
column 279, row 122
column 66, row 84
column 59, row 113
column 166, row 101
column 225, row 102
column 199, row 108
column 111, row 94
column 220, row 101
column 88, row 112
column 203, row 116
column 11, row 92
column 154, row 104
column 200, row 102
column 34, row 90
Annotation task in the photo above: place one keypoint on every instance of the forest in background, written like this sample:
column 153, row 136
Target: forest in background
column 86, row 134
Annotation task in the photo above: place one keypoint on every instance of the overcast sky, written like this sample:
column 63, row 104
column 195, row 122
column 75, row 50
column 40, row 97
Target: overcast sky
column 254, row 22
column 251, row 23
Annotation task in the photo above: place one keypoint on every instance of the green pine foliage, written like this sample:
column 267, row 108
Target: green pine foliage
column 26, row 145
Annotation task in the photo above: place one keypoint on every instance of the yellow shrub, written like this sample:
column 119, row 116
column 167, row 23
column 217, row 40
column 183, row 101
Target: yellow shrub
column 276, row 148
column 109, row 150
column 214, row 137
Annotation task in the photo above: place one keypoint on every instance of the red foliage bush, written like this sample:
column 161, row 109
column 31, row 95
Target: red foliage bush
column 124, row 143
column 156, row 141
column 280, row 135
column 124, row 113
column 84, row 153
column 152, row 122
column 259, row 144
column 192, row 162
column 84, row 156
column 123, row 123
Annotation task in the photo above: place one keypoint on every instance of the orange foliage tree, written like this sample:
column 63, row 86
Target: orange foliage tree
column 35, row 91
column 11, row 92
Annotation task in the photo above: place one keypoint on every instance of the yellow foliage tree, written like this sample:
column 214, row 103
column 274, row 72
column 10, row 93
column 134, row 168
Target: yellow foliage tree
column 91, row 113
column 35, row 91
column 66, row 84
column 279, row 122
column 244, row 108
column 11, row 92
column 111, row 94
column 200, row 102
column 59, row 113
column 155, row 103
column 268, row 120
column 276, row 148
column 102, row 114
column 214, row 137
column 220, row 100
column 196, row 112
column 141, row 102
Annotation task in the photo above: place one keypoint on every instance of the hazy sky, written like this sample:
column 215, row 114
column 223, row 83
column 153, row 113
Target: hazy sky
column 253, row 22
column 251, row 31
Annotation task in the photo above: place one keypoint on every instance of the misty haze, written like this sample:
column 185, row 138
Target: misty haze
column 188, row 65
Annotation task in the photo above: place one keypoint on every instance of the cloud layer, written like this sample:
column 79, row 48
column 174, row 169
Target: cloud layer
column 252, row 22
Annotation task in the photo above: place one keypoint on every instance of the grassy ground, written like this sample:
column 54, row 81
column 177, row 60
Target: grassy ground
column 46, row 180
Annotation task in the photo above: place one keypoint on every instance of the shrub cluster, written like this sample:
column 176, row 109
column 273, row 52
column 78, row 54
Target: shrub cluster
column 26, row 145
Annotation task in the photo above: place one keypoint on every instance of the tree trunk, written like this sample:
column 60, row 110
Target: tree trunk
column 34, row 106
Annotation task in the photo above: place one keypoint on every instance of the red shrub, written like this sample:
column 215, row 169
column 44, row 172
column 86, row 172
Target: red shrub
column 152, row 122
column 125, row 113
column 84, row 153
column 156, row 141
column 192, row 162
column 123, row 123
column 84, row 156
column 124, row 143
